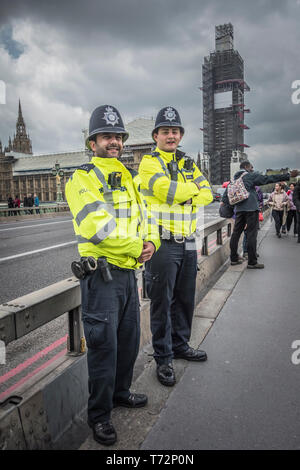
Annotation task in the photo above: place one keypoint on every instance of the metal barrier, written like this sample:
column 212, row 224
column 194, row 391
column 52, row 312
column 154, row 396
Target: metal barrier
column 25, row 314
column 43, row 209
column 37, row 417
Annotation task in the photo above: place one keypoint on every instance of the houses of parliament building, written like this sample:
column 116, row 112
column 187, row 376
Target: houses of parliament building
column 22, row 172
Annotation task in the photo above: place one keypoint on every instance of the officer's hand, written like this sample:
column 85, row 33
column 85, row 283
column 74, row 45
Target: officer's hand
column 147, row 252
column 189, row 201
column 294, row 173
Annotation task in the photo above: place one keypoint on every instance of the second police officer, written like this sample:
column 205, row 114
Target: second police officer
column 174, row 189
column 112, row 227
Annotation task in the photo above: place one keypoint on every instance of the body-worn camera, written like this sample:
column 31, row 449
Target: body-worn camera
column 188, row 163
column 114, row 179
column 173, row 169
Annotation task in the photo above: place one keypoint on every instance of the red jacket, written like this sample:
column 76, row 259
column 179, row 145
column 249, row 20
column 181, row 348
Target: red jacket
column 17, row 202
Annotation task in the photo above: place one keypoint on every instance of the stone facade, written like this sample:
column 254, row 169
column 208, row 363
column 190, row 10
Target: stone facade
column 22, row 173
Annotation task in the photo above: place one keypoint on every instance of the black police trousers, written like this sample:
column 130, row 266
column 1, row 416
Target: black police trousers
column 170, row 282
column 111, row 321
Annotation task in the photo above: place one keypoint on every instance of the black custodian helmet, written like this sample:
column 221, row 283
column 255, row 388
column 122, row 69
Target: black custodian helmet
column 168, row 117
column 106, row 118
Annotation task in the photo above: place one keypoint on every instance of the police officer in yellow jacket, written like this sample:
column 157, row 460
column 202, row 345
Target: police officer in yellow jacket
column 174, row 189
column 112, row 227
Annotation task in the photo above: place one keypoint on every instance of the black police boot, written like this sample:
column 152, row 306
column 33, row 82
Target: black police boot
column 165, row 374
column 135, row 400
column 191, row 354
column 256, row 266
column 104, row 433
column 240, row 260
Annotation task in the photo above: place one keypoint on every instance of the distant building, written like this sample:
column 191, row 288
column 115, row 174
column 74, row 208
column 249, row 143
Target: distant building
column 203, row 162
column 223, row 87
column 22, row 173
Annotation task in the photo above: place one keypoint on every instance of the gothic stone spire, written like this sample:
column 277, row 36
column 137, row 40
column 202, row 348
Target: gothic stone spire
column 21, row 142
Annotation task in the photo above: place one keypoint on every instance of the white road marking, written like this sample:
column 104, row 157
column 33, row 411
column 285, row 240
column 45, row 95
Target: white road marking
column 35, row 225
column 37, row 251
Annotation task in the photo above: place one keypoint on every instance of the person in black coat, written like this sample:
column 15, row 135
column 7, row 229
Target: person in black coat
column 296, row 201
column 30, row 202
column 247, row 212
column 10, row 205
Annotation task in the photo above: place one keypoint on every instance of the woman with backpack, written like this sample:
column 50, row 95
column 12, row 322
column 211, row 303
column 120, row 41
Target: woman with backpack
column 247, row 208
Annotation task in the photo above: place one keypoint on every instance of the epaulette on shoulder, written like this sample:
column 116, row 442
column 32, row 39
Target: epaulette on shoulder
column 86, row 167
column 132, row 171
column 179, row 154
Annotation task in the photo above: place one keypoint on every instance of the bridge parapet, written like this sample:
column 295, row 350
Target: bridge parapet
column 43, row 409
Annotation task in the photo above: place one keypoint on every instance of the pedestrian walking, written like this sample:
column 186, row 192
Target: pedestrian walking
column 36, row 203
column 112, row 227
column 292, row 213
column 247, row 211
column 296, row 201
column 174, row 189
column 25, row 204
column 10, row 205
column 285, row 188
column 30, row 203
column 17, row 204
column 260, row 199
column 279, row 202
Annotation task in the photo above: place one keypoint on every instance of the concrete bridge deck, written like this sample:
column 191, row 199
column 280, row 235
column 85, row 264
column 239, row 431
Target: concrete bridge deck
column 246, row 396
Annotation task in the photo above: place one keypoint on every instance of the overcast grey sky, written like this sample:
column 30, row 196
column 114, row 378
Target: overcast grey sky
column 64, row 58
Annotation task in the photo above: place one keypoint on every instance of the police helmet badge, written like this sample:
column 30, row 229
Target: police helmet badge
column 170, row 114
column 110, row 116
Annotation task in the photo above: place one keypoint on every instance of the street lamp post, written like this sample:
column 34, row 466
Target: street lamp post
column 58, row 173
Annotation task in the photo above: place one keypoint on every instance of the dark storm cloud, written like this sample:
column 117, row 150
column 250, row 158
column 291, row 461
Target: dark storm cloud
column 144, row 54
column 147, row 21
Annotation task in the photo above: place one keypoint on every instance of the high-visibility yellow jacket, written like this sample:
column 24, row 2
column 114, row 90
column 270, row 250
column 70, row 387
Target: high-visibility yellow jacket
column 110, row 223
column 164, row 197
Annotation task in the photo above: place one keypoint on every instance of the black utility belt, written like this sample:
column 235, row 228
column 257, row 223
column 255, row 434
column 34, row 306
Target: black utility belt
column 88, row 265
column 113, row 266
column 169, row 236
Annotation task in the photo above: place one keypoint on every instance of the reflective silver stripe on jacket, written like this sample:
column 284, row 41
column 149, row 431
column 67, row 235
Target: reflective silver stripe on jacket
column 171, row 192
column 103, row 233
column 123, row 213
column 174, row 216
column 199, row 179
column 107, row 193
column 207, row 187
column 163, row 165
column 93, row 207
column 147, row 192
column 101, row 178
column 154, row 178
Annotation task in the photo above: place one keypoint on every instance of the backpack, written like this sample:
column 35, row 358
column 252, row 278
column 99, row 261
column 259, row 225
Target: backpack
column 236, row 190
column 226, row 211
